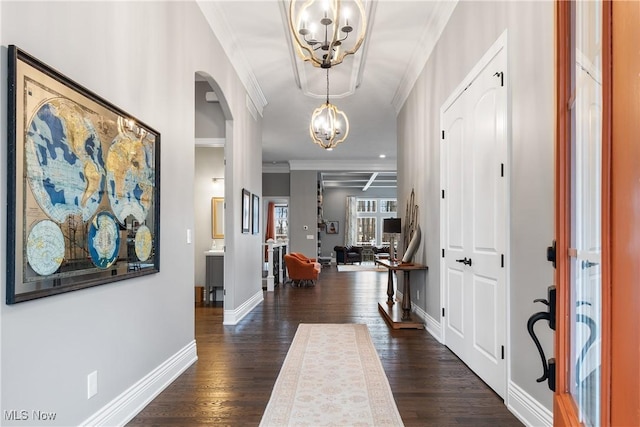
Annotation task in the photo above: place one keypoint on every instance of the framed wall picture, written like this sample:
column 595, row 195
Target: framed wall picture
column 255, row 216
column 332, row 227
column 83, row 186
column 246, row 210
column 217, row 217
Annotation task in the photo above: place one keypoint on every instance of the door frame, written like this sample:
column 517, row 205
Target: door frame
column 564, row 409
column 500, row 44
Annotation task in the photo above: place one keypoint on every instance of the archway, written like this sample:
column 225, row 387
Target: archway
column 213, row 126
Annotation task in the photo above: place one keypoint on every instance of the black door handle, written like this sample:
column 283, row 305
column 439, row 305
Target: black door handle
column 464, row 261
column 550, row 315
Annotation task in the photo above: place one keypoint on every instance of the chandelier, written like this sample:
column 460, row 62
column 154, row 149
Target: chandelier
column 329, row 126
column 321, row 28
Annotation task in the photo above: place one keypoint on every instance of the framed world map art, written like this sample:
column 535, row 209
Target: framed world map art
column 83, row 186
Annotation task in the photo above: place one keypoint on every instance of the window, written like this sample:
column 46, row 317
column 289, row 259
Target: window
column 367, row 205
column 367, row 230
column 281, row 221
column 370, row 213
column 388, row 206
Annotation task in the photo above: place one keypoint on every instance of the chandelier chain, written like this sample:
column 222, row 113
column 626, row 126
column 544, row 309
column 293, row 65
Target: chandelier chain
column 327, row 85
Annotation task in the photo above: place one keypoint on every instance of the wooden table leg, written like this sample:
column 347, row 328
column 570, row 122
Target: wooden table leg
column 390, row 288
column 406, row 297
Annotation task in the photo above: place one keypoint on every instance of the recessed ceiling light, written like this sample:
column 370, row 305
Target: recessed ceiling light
column 382, row 156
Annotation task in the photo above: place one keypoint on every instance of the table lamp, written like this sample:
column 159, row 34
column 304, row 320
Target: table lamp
column 392, row 226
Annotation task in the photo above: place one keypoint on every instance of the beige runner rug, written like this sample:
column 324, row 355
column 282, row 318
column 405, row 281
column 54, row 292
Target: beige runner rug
column 363, row 267
column 332, row 376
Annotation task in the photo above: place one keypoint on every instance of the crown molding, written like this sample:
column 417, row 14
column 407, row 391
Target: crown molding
column 229, row 43
column 210, row 142
column 275, row 168
column 342, row 165
column 430, row 36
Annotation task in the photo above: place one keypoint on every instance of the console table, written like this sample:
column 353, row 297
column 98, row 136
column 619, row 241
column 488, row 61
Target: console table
column 399, row 318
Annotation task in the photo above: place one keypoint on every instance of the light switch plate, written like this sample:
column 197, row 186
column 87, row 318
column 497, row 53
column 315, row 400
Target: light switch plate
column 92, row 384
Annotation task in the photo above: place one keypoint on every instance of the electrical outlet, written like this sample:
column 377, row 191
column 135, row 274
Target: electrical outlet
column 92, row 384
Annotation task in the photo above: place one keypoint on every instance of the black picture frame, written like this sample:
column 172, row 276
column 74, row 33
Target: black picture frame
column 83, row 186
column 246, row 211
column 332, row 227
column 255, row 215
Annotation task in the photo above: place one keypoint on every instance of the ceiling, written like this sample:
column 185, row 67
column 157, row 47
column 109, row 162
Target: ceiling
column 370, row 86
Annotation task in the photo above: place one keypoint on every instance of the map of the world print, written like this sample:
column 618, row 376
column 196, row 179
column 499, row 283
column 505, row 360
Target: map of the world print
column 83, row 187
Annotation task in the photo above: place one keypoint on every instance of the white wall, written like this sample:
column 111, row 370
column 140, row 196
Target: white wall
column 471, row 30
column 209, row 118
column 141, row 56
column 303, row 212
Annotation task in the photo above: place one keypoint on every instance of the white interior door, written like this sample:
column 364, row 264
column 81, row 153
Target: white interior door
column 453, row 225
column 474, row 221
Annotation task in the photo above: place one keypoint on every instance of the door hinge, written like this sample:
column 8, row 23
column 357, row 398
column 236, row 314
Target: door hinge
column 501, row 75
column 502, row 261
column 502, row 352
column 442, row 134
column 443, row 253
column 501, row 169
column 442, row 311
column 443, row 194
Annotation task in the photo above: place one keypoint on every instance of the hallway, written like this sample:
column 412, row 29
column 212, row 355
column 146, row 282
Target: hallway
column 231, row 382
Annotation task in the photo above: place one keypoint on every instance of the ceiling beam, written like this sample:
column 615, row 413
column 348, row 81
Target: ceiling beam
column 373, row 178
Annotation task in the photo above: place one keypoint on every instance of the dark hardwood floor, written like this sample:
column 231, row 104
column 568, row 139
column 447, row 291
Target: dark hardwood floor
column 237, row 366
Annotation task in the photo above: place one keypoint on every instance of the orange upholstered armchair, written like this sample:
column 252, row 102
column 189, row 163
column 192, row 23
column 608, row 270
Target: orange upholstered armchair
column 302, row 270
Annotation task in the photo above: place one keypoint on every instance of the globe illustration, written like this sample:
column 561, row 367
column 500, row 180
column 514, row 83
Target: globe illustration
column 104, row 240
column 130, row 177
column 65, row 166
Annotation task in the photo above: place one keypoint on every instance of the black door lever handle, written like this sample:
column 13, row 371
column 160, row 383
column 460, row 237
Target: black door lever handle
column 464, row 261
column 548, row 368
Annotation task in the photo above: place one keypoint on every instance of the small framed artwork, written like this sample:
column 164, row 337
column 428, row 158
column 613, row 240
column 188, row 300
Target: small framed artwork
column 246, row 210
column 255, row 217
column 217, row 217
column 332, row 227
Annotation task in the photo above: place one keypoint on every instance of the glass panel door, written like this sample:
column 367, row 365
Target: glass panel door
column 586, row 219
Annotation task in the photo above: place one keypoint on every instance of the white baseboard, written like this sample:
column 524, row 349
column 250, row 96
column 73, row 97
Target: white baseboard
column 123, row 408
column 527, row 409
column 232, row 317
column 433, row 327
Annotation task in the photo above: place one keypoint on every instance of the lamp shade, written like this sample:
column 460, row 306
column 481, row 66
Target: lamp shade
column 391, row 225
